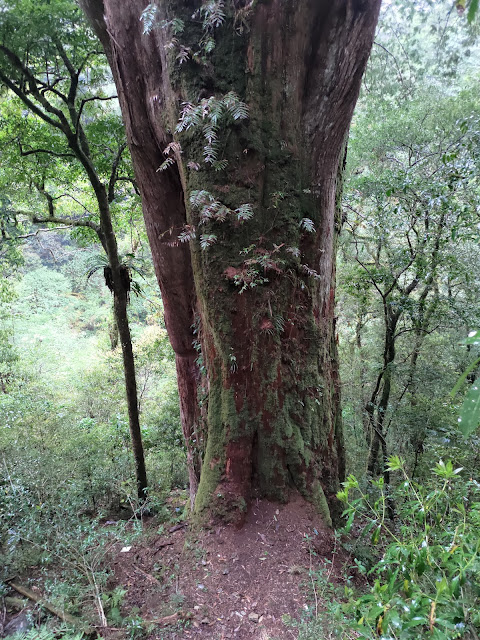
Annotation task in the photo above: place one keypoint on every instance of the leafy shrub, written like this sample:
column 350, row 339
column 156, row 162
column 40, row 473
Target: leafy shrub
column 427, row 583
column 45, row 633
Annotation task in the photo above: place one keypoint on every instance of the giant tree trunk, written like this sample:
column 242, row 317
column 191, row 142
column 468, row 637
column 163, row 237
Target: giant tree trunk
column 264, row 290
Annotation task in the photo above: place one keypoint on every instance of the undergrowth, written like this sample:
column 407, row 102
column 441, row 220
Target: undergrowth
column 426, row 580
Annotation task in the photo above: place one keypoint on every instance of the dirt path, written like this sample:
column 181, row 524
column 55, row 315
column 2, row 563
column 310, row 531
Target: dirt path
column 228, row 583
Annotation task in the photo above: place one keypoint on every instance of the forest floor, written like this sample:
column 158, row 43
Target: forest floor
column 260, row 581
column 230, row 583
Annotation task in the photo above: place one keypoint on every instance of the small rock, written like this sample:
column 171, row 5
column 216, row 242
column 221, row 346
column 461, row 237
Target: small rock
column 19, row 624
column 201, row 587
column 253, row 617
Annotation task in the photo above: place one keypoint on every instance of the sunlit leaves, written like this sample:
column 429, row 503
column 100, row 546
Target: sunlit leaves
column 446, row 470
column 395, row 463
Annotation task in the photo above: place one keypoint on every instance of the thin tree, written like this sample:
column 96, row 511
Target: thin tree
column 48, row 75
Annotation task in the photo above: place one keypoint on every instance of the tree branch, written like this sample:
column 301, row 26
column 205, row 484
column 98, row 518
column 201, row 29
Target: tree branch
column 62, row 122
column 52, row 218
column 31, row 105
column 76, row 222
column 84, row 102
column 31, row 152
column 113, row 174
column 35, row 233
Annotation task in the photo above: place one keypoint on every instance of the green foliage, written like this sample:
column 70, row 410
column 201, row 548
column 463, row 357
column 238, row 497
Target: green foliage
column 208, row 207
column 65, row 463
column 469, row 418
column 426, row 582
column 112, row 603
column 208, row 116
column 46, row 633
column 409, row 247
column 212, row 14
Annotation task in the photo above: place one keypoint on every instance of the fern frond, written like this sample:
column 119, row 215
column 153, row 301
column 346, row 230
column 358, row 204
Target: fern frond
column 206, row 240
column 213, row 12
column 220, row 165
column 307, row 225
column 189, row 233
column 165, row 164
column 244, row 212
column 199, row 198
column 148, row 17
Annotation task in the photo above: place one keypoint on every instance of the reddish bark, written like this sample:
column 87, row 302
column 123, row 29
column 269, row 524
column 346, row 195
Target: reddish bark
column 270, row 353
column 137, row 72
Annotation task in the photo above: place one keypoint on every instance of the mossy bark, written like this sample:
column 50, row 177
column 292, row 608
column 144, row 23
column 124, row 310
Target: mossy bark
column 264, row 291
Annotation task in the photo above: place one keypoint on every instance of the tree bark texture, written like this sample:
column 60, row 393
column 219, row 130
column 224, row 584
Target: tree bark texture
column 138, row 75
column 263, row 290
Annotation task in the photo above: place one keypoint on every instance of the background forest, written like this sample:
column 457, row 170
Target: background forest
column 407, row 307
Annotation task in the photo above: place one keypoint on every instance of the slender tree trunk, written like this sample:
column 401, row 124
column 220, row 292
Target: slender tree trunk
column 113, row 332
column 188, row 381
column 121, row 319
column 273, row 420
column 376, row 408
column 119, row 283
column 134, row 59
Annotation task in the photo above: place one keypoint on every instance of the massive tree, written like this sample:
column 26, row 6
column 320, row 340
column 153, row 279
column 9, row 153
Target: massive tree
column 237, row 115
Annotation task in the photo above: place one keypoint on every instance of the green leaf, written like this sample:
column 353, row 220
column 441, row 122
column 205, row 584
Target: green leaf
column 472, row 338
column 472, row 10
column 376, row 534
column 349, row 522
column 463, row 377
column 395, row 463
column 470, row 412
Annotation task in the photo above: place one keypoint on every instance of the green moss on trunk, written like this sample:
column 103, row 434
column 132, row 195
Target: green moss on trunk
column 266, row 287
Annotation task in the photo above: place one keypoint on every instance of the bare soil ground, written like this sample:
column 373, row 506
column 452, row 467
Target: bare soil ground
column 225, row 582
